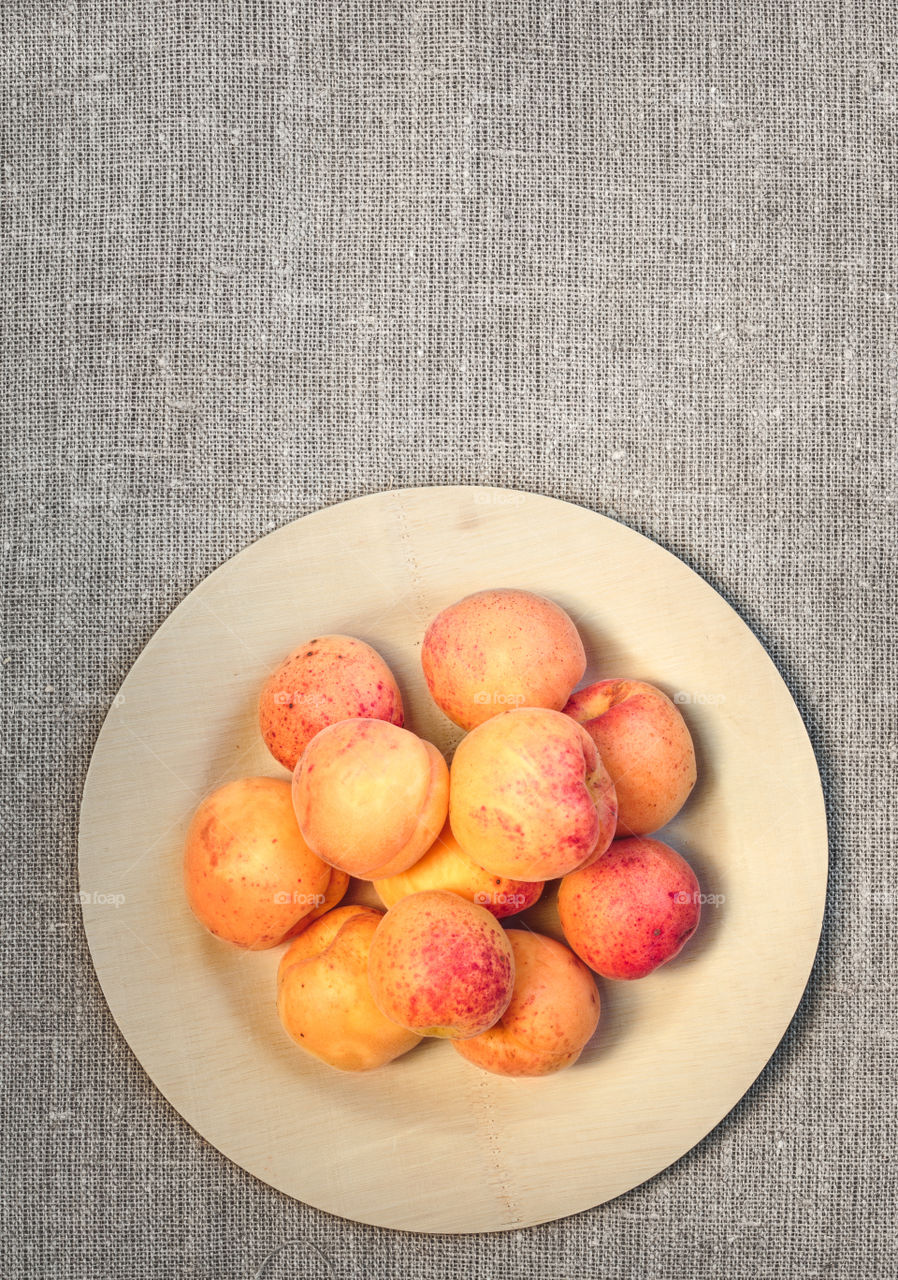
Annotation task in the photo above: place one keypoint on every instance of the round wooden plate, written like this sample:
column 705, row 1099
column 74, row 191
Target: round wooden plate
column 431, row 1143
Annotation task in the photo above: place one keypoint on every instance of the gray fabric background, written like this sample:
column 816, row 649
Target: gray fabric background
column 264, row 255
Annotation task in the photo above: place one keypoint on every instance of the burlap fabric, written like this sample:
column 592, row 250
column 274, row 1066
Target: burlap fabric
column 260, row 257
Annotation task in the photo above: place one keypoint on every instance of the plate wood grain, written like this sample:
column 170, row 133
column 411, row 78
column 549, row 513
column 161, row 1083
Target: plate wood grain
column 430, row 1143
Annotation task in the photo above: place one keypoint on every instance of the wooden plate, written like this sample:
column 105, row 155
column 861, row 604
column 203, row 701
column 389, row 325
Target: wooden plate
column 430, row 1143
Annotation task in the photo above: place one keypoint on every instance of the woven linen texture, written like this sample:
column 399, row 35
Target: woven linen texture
column 259, row 256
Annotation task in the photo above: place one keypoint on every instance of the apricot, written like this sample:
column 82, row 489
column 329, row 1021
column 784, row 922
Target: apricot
column 529, row 796
column 334, row 892
column 554, row 1011
column 500, row 649
column 323, row 681
column 632, row 910
column 324, row 1000
column 441, row 966
column 445, row 865
column 645, row 746
column 370, row 798
column 249, row 874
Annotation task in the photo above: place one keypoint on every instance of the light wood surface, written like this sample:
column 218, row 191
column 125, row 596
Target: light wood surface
column 430, row 1143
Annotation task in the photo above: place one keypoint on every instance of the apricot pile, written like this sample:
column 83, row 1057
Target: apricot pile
column 550, row 783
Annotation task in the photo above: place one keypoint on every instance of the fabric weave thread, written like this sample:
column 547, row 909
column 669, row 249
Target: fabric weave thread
column 264, row 255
